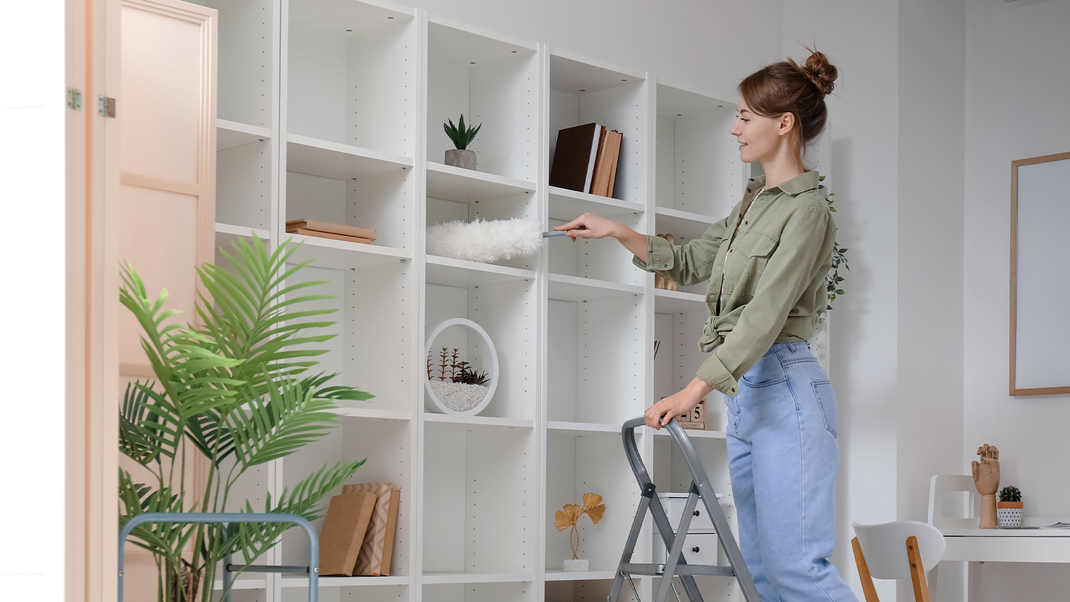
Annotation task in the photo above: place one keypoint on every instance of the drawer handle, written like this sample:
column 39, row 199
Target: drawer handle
column 697, row 513
column 695, row 549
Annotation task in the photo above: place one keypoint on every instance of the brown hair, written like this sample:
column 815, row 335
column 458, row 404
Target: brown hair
column 785, row 87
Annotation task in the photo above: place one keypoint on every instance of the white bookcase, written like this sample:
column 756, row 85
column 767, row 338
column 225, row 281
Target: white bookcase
column 332, row 110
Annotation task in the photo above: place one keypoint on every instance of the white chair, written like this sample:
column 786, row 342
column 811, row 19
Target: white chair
column 897, row 550
column 963, row 517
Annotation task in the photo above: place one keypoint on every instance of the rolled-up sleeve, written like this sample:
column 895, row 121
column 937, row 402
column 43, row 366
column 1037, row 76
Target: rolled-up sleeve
column 686, row 264
column 804, row 246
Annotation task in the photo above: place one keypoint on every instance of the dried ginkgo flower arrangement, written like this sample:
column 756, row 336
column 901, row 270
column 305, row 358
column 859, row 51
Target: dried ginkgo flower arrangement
column 592, row 507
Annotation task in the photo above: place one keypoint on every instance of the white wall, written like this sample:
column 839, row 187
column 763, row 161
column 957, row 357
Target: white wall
column 1017, row 86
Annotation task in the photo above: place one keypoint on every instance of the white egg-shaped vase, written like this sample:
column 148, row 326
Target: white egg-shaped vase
column 490, row 363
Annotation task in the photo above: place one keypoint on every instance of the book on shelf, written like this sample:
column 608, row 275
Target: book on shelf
column 312, row 227
column 331, row 235
column 343, row 532
column 374, row 558
column 605, row 168
column 574, row 159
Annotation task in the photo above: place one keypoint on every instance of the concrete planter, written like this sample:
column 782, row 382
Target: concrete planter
column 464, row 159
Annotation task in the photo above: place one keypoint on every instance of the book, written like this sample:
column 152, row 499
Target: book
column 343, row 532
column 372, row 552
column 573, row 164
column 391, row 529
column 318, row 226
column 605, row 169
column 331, row 235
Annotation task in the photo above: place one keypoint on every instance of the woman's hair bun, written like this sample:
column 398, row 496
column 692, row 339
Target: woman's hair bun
column 819, row 71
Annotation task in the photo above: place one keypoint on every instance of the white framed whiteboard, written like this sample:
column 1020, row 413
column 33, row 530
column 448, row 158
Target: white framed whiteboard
column 1040, row 275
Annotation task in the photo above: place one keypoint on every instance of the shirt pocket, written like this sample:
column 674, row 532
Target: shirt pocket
column 743, row 271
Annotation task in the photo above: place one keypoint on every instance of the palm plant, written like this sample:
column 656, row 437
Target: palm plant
column 460, row 135
column 233, row 390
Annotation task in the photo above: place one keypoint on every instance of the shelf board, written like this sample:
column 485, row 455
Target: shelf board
column 363, row 581
column 373, row 413
column 677, row 214
column 451, row 578
column 464, row 274
column 338, row 161
column 695, row 434
column 678, row 302
column 465, row 421
column 582, row 427
column 567, row 205
column 683, row 225
column 340, row 254
column 468, row 186
column 559, row 575
column 226, row 234
column 575, row 289
column 242, row 584
column 230, row 134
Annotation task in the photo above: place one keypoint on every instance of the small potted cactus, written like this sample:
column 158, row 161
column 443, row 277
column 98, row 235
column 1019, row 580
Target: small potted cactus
column 1009, row 507
column 461, row 136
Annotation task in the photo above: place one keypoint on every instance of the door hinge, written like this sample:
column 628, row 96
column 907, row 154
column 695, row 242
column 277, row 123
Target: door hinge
column 74, row 99
column 105, row 106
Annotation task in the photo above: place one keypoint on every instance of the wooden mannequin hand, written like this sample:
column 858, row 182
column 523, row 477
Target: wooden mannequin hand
column 986, row 472
column 659, row 414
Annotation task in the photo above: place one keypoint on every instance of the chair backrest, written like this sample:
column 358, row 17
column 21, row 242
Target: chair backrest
column 885, row 549
column 964, row 518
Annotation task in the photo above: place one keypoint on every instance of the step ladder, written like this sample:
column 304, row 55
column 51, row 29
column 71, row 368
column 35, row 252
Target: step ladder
column 675, row 565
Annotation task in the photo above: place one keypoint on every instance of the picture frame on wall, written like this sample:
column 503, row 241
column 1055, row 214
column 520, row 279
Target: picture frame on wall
column 1040, row 275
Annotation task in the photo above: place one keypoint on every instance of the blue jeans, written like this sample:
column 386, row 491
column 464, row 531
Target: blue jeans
column 783, row 459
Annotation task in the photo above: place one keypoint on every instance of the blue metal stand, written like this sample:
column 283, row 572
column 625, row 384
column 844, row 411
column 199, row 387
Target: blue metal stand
column 312, row 570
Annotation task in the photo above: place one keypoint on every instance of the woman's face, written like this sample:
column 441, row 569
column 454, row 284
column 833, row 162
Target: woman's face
column 759, row 137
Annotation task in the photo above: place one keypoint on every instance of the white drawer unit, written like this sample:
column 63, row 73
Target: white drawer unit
column 674, row 506
column 699, row 549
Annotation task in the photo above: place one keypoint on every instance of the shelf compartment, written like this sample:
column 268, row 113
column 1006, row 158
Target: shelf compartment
column 670, row 473
column 387, row 447
column 466, row 186
column 566, row 576
column 571, row 288
column 243, row 175
column 516, row 588
column 507, row 312
column 604, row 259
column 682, row 225
column 227, row 234
column 353, row 187
column 491, row 80
column 351, row 74
column 371, row 413
column 597, row 348
column 678, row 360
column 465, row 274
column 344, row 255
column 566, row 205
column 584, row 91
column 692, row 135
column 579, row 463
column 461, row 578
column 365, row 589
column 246, row 69
column 361, row 582
column 479, row 504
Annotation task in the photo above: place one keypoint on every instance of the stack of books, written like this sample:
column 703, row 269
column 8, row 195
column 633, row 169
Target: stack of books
column 357, row 537
column 586, row 159
column 308, row 227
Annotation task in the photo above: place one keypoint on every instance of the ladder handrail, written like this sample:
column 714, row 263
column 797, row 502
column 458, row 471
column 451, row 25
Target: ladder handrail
column 230, row 517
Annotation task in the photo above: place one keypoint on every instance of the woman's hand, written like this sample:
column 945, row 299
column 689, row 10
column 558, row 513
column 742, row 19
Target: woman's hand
column 589, row 225
column 659, row 414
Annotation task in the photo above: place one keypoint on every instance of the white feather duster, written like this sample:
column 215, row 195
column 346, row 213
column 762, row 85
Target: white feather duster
column 485, row 241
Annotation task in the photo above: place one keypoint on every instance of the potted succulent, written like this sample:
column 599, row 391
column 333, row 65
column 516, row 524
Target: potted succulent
column 1009, row 507
column 461, row 136
column 569, row 516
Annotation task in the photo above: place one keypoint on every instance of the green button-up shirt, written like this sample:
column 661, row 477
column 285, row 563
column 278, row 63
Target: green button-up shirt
column 766, row 285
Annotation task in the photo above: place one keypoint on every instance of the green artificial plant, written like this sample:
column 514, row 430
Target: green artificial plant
column 459, row 134
column 233, row 390
column 833, row 281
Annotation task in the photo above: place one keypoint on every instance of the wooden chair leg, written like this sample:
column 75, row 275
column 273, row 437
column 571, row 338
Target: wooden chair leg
column 917, row 571
column 863, row 573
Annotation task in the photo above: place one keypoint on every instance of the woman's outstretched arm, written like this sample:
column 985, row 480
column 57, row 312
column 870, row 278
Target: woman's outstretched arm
column 592, row 226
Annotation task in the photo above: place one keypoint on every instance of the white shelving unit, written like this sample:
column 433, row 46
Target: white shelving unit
column 332, row 110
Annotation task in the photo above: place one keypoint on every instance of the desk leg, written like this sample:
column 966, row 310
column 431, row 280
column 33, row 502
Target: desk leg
column 973, row 587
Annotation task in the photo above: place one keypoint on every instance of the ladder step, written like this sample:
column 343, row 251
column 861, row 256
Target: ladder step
column 681, row 569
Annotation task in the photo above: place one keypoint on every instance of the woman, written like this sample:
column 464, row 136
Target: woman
column 766, row 265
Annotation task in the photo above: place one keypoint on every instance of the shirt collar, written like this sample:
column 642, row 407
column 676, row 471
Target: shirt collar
column 808, row 180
